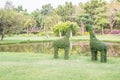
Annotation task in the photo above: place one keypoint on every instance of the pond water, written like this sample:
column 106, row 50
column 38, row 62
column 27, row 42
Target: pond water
column 77, row 47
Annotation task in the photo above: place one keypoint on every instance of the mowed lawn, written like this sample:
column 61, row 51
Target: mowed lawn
column 35, row 39
column 36, row 66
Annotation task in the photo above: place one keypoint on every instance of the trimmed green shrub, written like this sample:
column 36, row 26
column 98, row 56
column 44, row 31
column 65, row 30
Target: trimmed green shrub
column 62, row 27
column 63, row 43
column 96, row 45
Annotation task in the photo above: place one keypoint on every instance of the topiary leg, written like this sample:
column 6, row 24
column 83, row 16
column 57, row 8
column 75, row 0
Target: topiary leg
column 93, row 55
column 55, row 52
column 66, row 53
column 95, row 52
column 103, row 56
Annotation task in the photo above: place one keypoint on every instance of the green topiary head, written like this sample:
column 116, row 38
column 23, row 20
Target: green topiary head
column 88, row 28
column 71, row 26
column 69, row 29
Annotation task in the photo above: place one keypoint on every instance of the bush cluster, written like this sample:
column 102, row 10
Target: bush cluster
column 115, row 32
column 62, row 27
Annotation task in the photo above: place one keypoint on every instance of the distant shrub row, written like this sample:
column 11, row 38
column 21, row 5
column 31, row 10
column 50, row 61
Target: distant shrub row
column 115, row 32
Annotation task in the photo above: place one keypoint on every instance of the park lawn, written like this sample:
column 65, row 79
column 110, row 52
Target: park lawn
column 36, row 39
column 31, row 66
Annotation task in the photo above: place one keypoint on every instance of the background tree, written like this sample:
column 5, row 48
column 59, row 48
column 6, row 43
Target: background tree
column 66, row 11
column 60, row 28
column 101, row 22
column 117, row 19
column 9, row 5
column 9, row 22
column 46, row 11
column 94, row 8
column 51, row 21
column 38, row 17
column 83, row 19
column 113, row 8
column 20, row 9
column 29, row 23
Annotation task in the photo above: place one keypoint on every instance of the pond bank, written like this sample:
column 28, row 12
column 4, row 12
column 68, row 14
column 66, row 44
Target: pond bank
column 77, row 47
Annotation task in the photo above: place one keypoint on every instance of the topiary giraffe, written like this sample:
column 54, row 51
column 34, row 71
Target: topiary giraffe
column 96, row 45
column 63, row 43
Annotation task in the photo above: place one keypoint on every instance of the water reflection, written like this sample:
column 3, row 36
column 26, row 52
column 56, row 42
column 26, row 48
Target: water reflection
column 77, row 47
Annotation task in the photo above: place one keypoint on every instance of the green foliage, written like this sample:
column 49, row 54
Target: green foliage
column 38, row 18
column 10, row 21
column 29, row 23
column 101, row 13
column 97, row 9
column 101, row 21
column 46, row 9
column 66, row 11
column 20, row 10
column 9, row 5
column 51, row 21
column 84, row 18
column 117, row 18
column 62, row 27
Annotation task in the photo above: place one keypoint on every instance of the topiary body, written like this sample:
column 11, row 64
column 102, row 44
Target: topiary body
column 96, row 45
column 63, row 43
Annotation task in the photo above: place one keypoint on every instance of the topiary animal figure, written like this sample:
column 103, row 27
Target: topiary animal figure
column 63, row 43
column 96, row 45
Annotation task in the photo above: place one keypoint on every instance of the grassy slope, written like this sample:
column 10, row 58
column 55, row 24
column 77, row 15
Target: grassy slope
column 18, row 39
column 43, row 67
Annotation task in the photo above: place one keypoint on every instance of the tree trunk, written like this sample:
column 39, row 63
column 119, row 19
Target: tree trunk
column 47, row 35
column 2, row 36
column 60, row 34
column 82, row 28
column 27, row 30
column 70, row 34
column 102, row 30
column 111, row 27
column 44, row 27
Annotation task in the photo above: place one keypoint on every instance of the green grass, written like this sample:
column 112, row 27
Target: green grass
column 108, row 38
column 23, row 66
column 18, row 39
column 34, row 39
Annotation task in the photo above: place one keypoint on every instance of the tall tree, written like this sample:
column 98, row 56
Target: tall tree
column 66, row 11
column 29, row 23
column 9, row 5
column 83, row 19
column 20, row 9
column 113, row 8
column 117, row 19
column 38, row 17
column 9, row 21
column 101, row 22
column 95, row 8
column 47, row 9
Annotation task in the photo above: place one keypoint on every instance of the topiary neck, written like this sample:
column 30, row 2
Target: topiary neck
column 92, row 35
column 68, row 33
